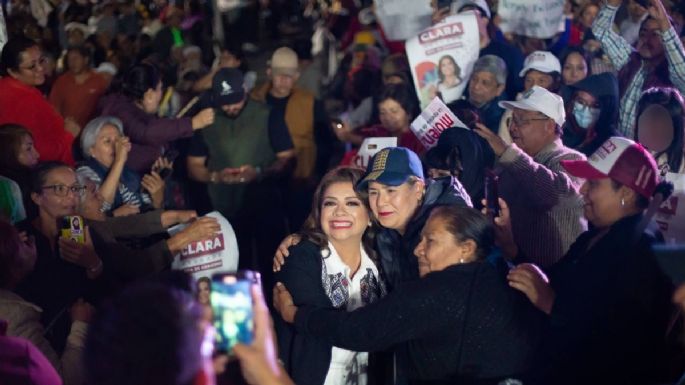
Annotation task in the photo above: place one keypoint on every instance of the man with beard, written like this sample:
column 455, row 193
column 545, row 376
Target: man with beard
column 242, row 158
column 658, row 58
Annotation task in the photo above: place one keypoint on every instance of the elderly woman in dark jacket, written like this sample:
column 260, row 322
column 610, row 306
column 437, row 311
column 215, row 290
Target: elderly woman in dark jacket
column 459, row 323
column 135, row 102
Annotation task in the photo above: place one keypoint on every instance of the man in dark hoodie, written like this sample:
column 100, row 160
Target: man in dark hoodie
column 592, row 113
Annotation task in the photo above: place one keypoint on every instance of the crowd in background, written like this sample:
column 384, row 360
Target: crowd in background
column 138, row 115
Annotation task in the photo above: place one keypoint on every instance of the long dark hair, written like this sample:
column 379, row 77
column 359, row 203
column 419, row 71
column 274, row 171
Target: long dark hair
column 311, row 229
column 670, row 99
column 580, row 51
column 466, row 223
column 457, row 69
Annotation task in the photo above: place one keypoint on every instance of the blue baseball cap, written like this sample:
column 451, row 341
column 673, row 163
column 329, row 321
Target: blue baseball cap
column 392, row 166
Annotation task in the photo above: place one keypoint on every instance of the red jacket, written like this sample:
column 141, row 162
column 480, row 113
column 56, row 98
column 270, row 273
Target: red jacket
column 26, row 106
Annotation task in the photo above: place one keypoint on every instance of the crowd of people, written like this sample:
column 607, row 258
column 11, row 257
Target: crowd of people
column 519, row 249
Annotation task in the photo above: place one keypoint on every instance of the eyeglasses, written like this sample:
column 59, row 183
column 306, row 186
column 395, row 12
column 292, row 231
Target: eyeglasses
column 61, row 190
column 520, row 122
column 40, row 62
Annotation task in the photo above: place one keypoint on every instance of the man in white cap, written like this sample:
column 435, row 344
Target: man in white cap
column 545, row 204
column 541, row 68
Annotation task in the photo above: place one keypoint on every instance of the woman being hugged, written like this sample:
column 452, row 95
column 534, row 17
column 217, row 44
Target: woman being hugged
column 333, row 266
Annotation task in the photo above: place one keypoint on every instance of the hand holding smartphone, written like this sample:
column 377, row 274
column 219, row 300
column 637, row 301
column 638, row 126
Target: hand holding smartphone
column 72, row 227
column 492, row 193
column 231, row 300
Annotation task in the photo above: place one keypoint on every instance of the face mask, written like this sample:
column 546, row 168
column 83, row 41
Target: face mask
column 584, row 115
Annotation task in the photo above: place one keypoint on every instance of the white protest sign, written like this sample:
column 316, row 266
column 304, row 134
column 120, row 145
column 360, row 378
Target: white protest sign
column 402, row 19
column 204, row 258
column 442, row 57
column 435, row 119
column 533, row 18
column 369, row 148
column 671, row 214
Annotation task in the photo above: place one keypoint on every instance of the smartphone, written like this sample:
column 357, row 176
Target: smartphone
column 231, row 300
column 71, row 227
column 492, row 193
column 671, row 259
column 171, row 155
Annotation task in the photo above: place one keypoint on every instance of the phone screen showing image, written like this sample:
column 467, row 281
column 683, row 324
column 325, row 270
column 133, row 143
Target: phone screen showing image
column 232, row 307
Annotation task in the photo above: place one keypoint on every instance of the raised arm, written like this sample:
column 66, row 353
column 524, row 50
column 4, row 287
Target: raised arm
column 616, row 47
column 543, row 185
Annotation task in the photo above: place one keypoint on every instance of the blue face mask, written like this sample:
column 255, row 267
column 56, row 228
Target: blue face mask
column 585, row 116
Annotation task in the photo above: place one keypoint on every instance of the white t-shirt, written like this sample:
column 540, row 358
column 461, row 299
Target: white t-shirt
column 348, row 367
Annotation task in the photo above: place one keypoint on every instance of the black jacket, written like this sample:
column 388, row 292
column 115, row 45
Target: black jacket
column 396, row 251
column 458, row 325
column 305, row 357
column 611, row 310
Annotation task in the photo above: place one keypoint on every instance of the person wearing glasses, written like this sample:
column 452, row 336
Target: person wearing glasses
column 63, row 269
column 22, row 70
column 546, row 207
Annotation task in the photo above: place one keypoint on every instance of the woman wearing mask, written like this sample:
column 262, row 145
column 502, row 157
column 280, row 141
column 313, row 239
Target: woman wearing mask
column 22, row 68
column 592, row 113
column 607, row 301
column 105, row 151
column 659, row 127
column 135, row 103
column 447, row 327
column 333, row 266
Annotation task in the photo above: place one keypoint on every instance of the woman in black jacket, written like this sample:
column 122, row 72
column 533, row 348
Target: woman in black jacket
column 459, row 323
column 607, row 302
column 333, row 267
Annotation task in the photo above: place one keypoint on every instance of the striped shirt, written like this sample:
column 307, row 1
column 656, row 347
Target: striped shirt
column 619, row 52
column 545, row 203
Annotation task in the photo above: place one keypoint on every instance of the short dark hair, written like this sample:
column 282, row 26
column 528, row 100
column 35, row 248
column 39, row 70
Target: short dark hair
column 402, row 94
column 10, row 59
column 466, row 223
column 150, row 334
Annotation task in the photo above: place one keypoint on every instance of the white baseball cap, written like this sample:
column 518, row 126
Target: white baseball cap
column 621, row 159
column 541, row 100
column 543, row 61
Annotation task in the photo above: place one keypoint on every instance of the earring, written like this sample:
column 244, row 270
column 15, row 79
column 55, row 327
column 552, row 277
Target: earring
column 623, row 202
column 461, row 260
column 369, row 225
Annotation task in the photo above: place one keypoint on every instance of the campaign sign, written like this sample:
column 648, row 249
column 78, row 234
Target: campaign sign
column 442, row 57
column 369, row 148
column 208, row 256
column 433, row 120
column 540, row 19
